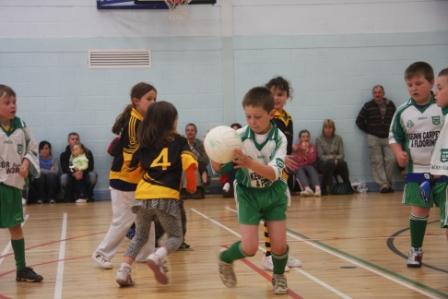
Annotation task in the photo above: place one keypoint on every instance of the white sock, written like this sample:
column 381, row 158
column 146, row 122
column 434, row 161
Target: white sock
column 160, row 253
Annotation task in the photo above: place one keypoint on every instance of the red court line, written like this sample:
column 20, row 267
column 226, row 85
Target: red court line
column 4, row 297
column 54, row 242
column 268, row 277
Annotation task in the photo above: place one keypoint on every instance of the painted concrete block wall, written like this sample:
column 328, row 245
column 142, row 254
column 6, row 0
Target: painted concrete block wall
column 332, row 51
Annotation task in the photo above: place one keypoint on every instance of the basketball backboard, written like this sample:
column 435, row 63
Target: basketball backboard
column 141, row 4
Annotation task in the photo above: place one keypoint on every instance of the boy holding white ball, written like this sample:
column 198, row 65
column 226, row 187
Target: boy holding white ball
column 261, row 191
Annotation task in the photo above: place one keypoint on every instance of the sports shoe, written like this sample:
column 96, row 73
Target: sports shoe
column 294, row 262
column 226, row 187
column 101, row 261
column 227, row 274
column 123, row 276
column 415, row 257
column 52, row 201
column 24, row 201
column 279, row 284
column 81, row 200
column 28, row 274
column 157, row 266
column 307, row 192
column 266, row 263
column 318, row 193
column 184, row 247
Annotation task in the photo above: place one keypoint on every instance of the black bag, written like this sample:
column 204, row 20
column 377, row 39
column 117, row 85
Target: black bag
column 341, row 189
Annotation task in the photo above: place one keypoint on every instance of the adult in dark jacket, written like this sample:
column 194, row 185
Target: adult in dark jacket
column 67, row 175
column 374, row 119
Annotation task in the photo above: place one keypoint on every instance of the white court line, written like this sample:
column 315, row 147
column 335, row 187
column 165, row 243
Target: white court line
column 362, row 265
column 310, row 276
column 7, row 249
column 60, row 271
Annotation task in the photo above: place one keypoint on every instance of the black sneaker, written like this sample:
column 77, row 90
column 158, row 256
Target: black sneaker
column 184, row 246
column 28, row 274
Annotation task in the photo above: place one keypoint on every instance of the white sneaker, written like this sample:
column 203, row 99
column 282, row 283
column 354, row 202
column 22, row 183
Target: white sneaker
column 24, row 201
column 123, row 276
column 294, row 262
column 101, row 261
column 157, row 266
column 279, row 284
column 307, row 192
column 81, row 200
column 226, row 187
column 415, row 257
column 318, row 193
column 266, row 263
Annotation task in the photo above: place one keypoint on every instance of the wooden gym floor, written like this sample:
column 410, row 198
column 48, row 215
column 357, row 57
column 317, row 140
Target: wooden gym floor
column 351, row 247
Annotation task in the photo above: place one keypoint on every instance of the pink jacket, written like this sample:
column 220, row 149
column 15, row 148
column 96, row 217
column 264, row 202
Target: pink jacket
column 305, row 159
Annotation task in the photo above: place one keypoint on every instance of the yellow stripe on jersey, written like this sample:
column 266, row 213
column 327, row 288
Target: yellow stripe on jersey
column 151, row 191
column 125, row 173
column 283, row 116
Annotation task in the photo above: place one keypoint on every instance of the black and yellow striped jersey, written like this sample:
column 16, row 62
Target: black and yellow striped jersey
column 284, row 122
column 163, row 166
column 121, row 177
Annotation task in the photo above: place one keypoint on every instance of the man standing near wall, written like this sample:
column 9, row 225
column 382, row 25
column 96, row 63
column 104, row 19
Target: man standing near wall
column 374, row 119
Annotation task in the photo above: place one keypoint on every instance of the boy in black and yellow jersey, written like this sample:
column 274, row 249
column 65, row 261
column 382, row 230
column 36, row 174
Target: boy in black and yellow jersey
column 163, row 155
column 123, row 180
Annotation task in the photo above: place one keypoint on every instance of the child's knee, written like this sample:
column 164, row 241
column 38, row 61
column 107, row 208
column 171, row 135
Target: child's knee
column 249, row 249
column 279, row 249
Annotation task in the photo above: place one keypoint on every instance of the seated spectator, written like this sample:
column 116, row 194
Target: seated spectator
column 68, row 177
column 46, row 184
column 305, row 154
column 79, row 163
column 227, row 179
column 197, row 147
column 330, row 154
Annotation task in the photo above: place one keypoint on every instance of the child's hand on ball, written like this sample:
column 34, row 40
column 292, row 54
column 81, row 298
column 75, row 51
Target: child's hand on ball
column 240, row 159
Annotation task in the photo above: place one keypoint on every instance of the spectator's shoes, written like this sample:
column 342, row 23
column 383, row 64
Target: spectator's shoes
column 28, row 274
column 101, row 261
column 81, row 200
column 415, row 257
column 279, row 284
column 123, row 276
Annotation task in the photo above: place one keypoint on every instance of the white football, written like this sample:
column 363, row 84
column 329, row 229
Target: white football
column 220, row 142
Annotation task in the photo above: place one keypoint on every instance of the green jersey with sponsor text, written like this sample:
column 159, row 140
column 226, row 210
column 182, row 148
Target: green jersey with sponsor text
column 416, row 128
column 268, row 149
column 439, row 160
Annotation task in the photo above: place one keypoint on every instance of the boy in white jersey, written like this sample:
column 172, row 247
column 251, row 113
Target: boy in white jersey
column 439, row 160
column 18, row 158
column 260, row 188
column 413, row 133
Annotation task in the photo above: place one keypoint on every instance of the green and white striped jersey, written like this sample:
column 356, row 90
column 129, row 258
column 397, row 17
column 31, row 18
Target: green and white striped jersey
column 269, row 149
column 439, row 159
column 16, row 145
column 416, row 128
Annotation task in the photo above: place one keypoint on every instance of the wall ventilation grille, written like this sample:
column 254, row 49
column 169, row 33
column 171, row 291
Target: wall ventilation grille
column 120, row 58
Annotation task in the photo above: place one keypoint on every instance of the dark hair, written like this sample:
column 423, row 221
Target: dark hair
column 280, row 83
column 44, row 143
column 158, row 125
column 238, row 125
column 444, row 72
column 259, row 97
column 72, row 134
column 419, row 68
column 137, row 92
column 192, row 125
column 6, row 90
column 303, row 132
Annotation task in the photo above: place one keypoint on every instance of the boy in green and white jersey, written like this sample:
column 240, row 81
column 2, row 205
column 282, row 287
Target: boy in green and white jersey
column 260, row 188
column 413, row 134
column 439, row 160
column 18, row 158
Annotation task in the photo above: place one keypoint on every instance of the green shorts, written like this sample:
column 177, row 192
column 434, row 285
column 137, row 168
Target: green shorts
column 11, row 211
column 255, row 204
column 413, row 197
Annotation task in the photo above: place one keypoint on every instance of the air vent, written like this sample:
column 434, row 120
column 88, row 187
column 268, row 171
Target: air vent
column 120, row 58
